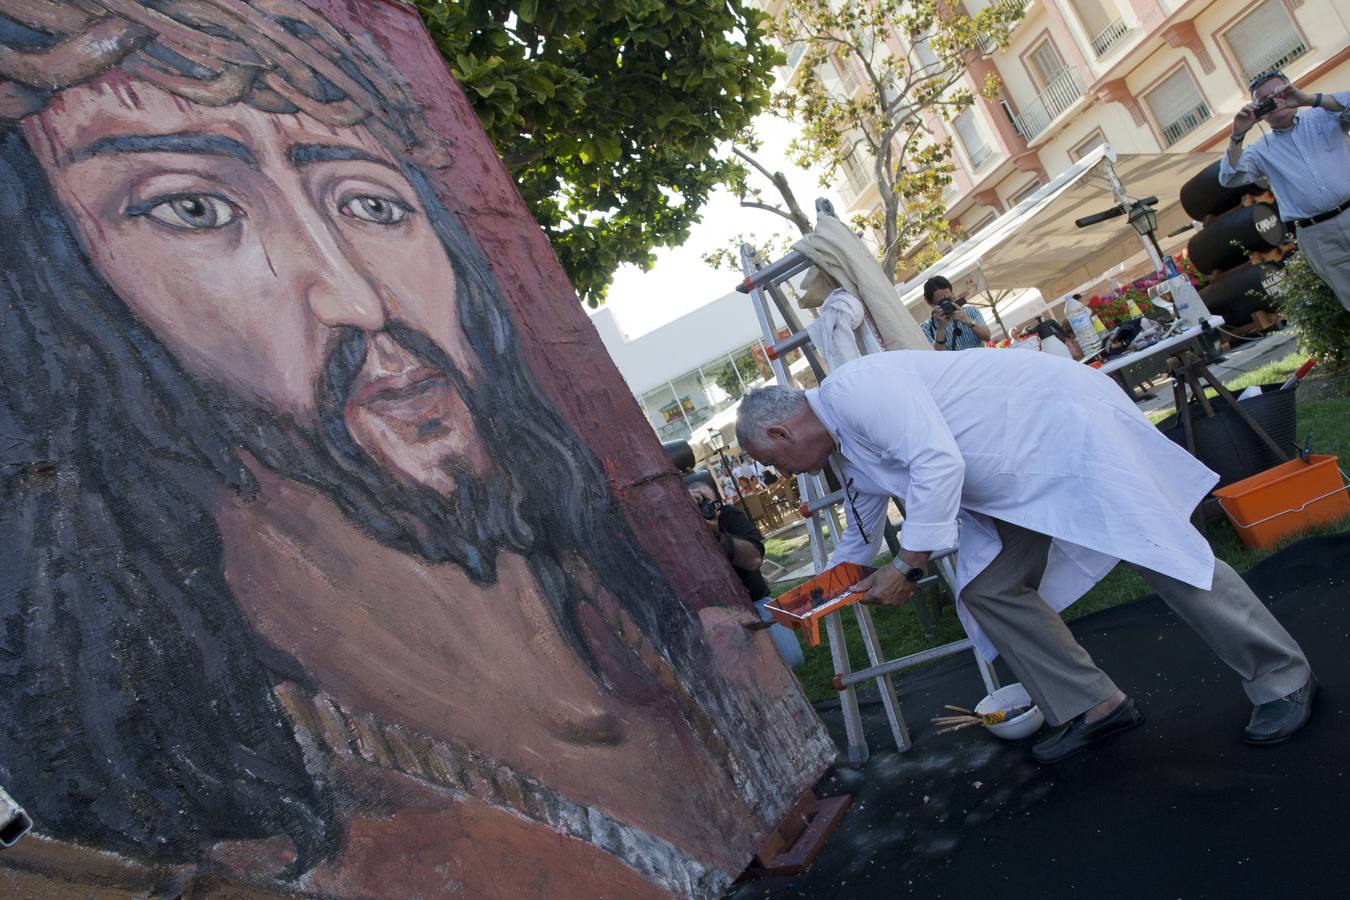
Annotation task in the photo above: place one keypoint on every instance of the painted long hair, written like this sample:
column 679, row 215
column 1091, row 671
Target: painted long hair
column 138, row 705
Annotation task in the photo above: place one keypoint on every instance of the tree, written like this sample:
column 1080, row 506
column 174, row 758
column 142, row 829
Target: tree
column 608, row 113
column 885, row 128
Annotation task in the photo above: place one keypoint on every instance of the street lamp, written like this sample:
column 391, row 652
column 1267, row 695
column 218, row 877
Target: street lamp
column 716, row 443
column 1144, row 220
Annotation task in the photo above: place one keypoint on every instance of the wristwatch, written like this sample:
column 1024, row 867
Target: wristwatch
column 914, row 574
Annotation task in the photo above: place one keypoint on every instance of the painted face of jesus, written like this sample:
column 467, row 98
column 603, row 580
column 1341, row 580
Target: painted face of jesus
column 247, row 240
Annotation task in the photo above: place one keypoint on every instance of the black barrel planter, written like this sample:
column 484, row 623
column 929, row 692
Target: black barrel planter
column 1226, row 241
column 1225, row 443
column 1204, row 196
column 1237, row 294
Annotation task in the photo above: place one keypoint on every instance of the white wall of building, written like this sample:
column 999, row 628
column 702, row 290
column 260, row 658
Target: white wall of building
column 664, row 354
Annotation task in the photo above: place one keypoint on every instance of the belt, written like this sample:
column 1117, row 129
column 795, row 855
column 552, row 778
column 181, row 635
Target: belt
column 1322, row 217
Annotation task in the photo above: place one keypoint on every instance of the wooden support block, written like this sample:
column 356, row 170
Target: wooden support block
column 1264, row 321
column 798, row 840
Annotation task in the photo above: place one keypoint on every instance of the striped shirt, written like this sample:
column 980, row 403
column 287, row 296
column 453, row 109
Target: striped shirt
column 963, row 341
column 1307, row 164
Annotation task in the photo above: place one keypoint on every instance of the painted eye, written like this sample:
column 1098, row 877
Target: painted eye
column 192, row 211
column 380, row 210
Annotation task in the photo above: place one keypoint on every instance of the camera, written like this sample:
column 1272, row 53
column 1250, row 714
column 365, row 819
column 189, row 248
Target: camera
column 949, row 306
column 1265, row 107
column 709, row 508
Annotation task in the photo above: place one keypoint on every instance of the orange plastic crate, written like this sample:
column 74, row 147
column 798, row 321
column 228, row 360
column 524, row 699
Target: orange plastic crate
column 1288, row 498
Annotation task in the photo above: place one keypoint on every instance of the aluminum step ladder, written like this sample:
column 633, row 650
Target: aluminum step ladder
column 821, row 504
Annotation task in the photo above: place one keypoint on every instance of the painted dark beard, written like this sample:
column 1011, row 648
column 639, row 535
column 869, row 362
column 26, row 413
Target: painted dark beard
column 467, row 527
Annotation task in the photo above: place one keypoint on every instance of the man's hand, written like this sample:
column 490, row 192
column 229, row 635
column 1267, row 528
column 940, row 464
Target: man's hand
column 1290, row 96
column 963, row 316
column 886, row 587
column 1244, row 121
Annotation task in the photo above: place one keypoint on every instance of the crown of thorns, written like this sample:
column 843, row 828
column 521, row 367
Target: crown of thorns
column 274, row 55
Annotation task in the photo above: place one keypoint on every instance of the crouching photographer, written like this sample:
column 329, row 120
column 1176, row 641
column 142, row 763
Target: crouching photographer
column 743, row 546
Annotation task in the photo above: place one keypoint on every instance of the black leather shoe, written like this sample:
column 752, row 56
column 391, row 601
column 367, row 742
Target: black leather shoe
column 1276, row 721
column 1078, row 733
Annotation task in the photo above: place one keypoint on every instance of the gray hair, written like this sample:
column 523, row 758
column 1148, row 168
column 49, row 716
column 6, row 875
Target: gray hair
column 764, row 407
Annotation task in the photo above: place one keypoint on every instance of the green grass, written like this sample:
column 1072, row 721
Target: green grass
column 1323, row 411
column 1273, row 372
column 778, row 550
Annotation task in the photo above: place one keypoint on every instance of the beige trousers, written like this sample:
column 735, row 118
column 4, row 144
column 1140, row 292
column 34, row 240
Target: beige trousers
column 1326, row 246
column 1060, row 675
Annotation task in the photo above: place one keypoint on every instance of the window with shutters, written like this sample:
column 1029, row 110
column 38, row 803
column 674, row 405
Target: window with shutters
column 927, row 59
column 1087, row 146
column 1265, row 39
column 977, row 149
column 1025, row 192
column 1046, row 63
column 1177, row 106
column 855, row 168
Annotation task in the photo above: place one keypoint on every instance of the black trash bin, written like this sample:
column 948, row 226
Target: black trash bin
column 1225, row 443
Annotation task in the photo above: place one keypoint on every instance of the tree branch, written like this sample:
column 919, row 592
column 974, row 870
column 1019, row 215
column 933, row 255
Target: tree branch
column 755, row 204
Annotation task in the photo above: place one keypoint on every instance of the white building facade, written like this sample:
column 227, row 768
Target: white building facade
column 688, row 370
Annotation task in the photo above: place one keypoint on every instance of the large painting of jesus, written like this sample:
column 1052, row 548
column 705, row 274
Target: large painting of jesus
column 306, row 583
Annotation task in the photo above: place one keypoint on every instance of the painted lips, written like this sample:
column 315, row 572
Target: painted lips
column 412, row 398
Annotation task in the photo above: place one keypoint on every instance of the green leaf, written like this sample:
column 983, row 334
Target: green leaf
column 562, row 88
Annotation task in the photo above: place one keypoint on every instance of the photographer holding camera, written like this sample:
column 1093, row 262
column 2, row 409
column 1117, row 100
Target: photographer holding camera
column 952, row 326
column 743, row 546
column 1306, row 159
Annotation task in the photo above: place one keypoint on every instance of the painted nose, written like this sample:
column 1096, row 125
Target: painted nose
column 337, row 289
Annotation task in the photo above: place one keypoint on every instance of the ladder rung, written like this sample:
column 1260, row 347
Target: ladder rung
column 811, row 507
column 788, row 344
column 780, row 270
column 905, row 662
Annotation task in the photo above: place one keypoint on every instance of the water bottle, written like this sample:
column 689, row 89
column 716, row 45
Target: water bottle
column 1181, row 301
column 1080, row 322
column 1191, row 309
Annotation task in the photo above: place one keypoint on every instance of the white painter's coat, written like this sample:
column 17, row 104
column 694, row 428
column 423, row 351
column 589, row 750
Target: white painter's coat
column 1043, row 442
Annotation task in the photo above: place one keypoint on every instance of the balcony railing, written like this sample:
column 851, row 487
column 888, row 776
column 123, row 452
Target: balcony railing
column 981, row 155
column 1058, row 96
column 852, row 189
column 1109, row 37
column 849, row 83
column 1186, row 123
column 1288, row 50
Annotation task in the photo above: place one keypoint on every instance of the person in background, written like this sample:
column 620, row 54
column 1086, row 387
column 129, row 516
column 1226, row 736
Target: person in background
column 1306, row 160
column 743, row 546
column 1043, row 329
column 728, row 485
column 951, row 326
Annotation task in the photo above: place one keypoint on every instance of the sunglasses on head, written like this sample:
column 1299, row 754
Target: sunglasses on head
column 1264, row 77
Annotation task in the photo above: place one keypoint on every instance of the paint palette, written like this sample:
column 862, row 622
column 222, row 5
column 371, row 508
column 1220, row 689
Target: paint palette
column 805, row 605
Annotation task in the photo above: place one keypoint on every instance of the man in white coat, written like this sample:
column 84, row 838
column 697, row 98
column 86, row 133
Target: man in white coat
column 1054, row 476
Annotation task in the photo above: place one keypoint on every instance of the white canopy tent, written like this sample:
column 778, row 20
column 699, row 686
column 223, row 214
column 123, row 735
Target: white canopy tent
column 1036, row 244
